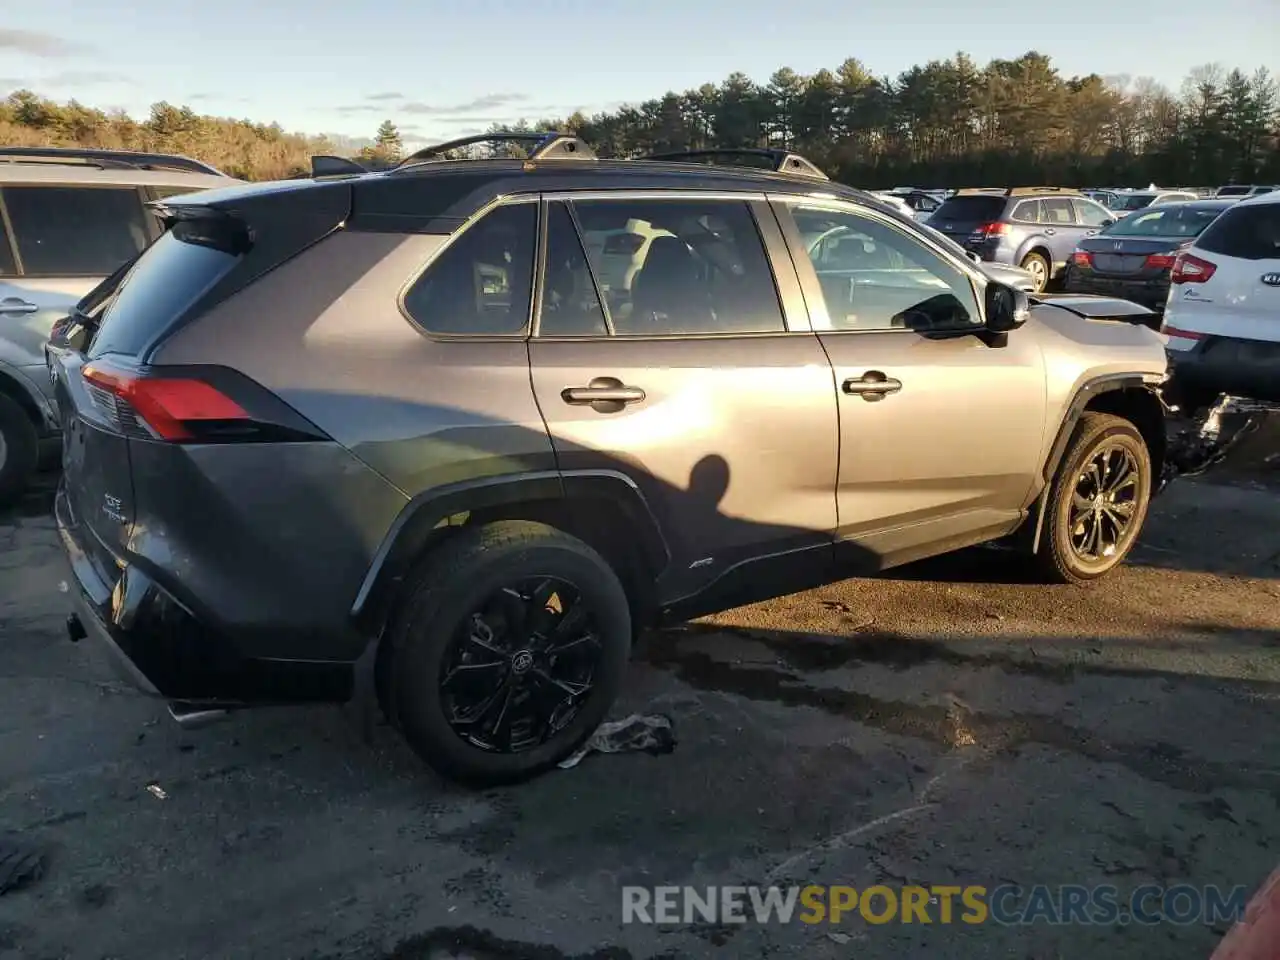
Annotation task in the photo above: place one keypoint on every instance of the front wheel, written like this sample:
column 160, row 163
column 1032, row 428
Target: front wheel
column 508, row 652
column 1097, row 502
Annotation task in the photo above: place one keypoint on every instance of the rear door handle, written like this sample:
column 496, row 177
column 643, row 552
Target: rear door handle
column 17, row 306
column 1091, row 233
column 872, row 385
column 603, row 395
column 1049, row 231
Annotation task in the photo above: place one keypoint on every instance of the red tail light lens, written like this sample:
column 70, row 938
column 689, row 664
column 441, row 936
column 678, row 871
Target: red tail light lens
column 163, row 406
column 1162, row 261
column 1082, row 258
column 1188, row 268
column 1183, row 334
column 996, row 229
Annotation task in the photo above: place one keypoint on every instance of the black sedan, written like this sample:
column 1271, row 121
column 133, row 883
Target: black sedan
column 1133, row 258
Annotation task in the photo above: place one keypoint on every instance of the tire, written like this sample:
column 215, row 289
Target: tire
column 1060, row 558
column 19, row 450
column 1039, row 268
column 465, row 578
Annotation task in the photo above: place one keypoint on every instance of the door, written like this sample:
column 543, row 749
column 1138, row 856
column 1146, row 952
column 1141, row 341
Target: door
column 695, row 376
column 60, row 242
column 1062, row 228
column 939, row 433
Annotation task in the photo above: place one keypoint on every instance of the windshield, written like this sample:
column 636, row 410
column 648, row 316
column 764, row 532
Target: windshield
column 1173, row 220
column 1132, row 201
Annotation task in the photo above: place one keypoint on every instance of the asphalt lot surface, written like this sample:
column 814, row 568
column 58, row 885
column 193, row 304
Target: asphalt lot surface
column 944, row 724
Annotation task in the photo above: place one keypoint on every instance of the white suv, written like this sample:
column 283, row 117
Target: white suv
column 1222, row 318
column 68, row 219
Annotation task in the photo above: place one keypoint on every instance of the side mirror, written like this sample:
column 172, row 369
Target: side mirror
column 1007, row 309
column 973, row 256
column 1107, row 223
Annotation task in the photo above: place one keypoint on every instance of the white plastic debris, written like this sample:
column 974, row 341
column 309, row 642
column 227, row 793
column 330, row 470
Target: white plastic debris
column 653, row 734
column 157, row 791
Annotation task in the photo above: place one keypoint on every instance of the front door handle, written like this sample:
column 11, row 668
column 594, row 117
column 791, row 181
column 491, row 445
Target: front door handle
column 603, row 395
column 1049, row 231
column 16, row 306
column 872, row 385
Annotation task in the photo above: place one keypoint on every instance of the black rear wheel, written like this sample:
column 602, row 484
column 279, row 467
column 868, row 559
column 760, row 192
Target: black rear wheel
column 508, row 652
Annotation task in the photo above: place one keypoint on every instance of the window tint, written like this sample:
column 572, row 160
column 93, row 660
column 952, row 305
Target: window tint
column 570, row 304
column 165, row 281
column 7, row 266
column 1056, row 211
column 700, row 267
column 1251, row 232
column 1028, row 211
column 480, row 284
column 75, row 231
column 876, row 277
column 972, row 207
column 1091, row 214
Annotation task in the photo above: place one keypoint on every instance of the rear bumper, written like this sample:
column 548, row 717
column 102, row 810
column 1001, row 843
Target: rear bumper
column 1243, row 368
column 164, row 650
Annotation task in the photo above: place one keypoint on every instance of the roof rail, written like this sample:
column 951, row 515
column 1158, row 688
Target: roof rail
column 780, row 161
column 324, row 165
column 107, row 159
column 545, row 145
column 1016, row 191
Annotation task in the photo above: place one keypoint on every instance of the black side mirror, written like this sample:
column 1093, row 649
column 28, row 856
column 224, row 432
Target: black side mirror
column 1107, row 223
column 973, row 256
column 1007, row 309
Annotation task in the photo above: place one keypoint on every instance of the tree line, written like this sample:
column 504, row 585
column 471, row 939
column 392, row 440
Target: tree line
column 947, row 123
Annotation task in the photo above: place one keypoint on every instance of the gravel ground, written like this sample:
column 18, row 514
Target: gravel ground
column 943, row 724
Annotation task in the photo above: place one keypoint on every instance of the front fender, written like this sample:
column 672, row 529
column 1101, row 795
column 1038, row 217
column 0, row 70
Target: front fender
column 23, row 385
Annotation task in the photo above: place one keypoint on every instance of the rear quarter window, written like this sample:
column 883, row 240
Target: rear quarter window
column 1248, row 232
column 162, row 285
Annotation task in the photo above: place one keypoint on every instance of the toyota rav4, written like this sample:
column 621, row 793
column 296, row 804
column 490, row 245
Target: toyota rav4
column 452, row 433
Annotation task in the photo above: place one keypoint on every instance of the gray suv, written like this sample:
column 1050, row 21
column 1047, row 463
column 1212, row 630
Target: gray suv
column 1035, row 228
column 450, row 435
column 68, row 218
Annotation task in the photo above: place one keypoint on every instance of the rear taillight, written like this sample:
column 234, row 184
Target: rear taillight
column 1082, row 258
column 163, row 407
column 1188, row 268
column 1160, row 261
column 995, row 229
column 1169, row 331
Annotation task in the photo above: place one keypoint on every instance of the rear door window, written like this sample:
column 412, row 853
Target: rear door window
column 8, row 266
column 75, row 231
column 1250, row 232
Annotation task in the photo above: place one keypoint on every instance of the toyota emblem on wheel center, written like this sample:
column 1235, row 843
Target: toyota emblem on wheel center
column 1271, row 279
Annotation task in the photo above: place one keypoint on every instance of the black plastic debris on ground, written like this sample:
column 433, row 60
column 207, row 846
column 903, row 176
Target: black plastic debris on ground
column 20, row 865
column 651, row 734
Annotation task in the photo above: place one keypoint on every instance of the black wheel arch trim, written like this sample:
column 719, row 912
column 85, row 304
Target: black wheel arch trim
column 402, row 545
column 1085, row 393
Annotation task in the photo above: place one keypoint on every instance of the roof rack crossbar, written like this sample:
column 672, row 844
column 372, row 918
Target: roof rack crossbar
column 543, row 145
column 780, row 161
column 1016, row 191
column 107, row 159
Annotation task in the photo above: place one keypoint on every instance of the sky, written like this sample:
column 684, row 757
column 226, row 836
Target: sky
column 441, row 69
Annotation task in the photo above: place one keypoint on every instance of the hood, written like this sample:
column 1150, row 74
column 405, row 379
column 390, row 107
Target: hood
column 1088, row 336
